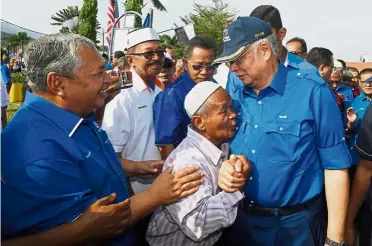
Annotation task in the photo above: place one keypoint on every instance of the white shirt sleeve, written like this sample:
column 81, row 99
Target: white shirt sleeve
column 117, row 122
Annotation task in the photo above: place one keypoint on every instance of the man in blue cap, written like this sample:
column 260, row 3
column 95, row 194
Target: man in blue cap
column 284, row 130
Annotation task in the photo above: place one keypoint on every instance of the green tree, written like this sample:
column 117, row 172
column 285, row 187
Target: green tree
column 211, row 20
column 17, row 41
column 172, row 42
column 88, row 20
column 137, row 5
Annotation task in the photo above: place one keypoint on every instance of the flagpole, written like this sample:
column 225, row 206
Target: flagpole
column 151, row 11
column 103, row 41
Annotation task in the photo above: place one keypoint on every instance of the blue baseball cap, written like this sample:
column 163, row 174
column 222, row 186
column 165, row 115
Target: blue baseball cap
column 369, row 80
column 240, row 34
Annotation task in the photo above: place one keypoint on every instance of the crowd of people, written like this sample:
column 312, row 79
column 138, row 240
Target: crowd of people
column 261, row 144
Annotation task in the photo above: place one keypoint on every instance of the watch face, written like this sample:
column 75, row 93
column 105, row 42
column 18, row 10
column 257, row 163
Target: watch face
column 343, row 243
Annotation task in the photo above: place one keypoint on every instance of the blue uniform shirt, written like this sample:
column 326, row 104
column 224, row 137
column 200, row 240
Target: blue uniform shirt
column 346, row 91
column 170, row 117
column 290, row 133
column 5, row 72
column 293, row 61
column 54, row 166
column 108, row 66
column 360, row 105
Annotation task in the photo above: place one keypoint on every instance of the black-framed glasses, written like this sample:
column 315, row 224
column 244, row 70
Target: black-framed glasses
column 149, row 55
column 199, row 67
column 296, row 52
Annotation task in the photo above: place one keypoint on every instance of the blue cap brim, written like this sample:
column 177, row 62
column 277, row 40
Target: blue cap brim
column 230, row 54
column 369, row 80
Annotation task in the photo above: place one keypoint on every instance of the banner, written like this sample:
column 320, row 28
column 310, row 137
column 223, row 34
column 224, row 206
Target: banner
column 184, row 34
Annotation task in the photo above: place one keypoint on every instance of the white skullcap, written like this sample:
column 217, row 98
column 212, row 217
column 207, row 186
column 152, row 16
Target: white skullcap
column 167, row 55
column 337, row 64
column 141, row 35
column 198, row 95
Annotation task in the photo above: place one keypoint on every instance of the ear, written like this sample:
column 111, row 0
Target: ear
column 321, row 69
column 282, row 33
column 198, row 122
column 55, row 84
column 130, row 60
column 266, row 50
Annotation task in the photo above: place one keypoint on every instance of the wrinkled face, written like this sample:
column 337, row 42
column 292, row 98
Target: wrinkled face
column 366, row 88
column 84, row 92
column 199, row 65
column 166, row 76
column 220, row 123
column 295, row 48
column 148, row 61
column 334, row 80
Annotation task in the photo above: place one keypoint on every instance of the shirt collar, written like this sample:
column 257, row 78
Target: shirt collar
column 138, row 82
column 364, row 97
column 209, row 149
column 291, row 60
column 278, row 81
column 66, row 120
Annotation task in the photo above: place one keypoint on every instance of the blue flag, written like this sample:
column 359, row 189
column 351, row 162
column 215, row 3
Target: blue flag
column 147, row 21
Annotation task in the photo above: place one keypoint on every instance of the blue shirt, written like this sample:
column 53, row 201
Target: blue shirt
column 289, row 137
column 346, row 91
column 108, row 66
column 5, row 72
column 293, row 61
column 360, row 105
column 170, row 117
column 56, row 165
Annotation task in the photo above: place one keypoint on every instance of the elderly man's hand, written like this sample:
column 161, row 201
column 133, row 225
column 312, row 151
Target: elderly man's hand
column 170, row 187
column 103, row 219
column 233, row 173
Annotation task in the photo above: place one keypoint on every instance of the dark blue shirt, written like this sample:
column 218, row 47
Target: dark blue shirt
column 346, row 91
column 54, row 166
column 170, row 117
column 360, row 105
column 290, row 133
column 5, row 72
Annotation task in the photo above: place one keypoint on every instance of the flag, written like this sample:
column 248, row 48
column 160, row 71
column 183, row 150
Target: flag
column 113, row 15
column 184, row 34
column 147, row 21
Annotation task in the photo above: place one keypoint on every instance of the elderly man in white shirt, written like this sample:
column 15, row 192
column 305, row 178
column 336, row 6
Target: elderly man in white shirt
column 128, row 117
column 200, row 218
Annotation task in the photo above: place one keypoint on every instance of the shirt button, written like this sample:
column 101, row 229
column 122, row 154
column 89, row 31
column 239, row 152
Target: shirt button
column 343, row 138
column 255, row 126
column 250, row 178
column 299, row 74
column 259, row 102
column 281, row 128
column 253, row 151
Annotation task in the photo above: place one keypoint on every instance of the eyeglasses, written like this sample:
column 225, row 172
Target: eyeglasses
column 199, row 67
column 149, row 55
column 296, row 52
column 237, row 61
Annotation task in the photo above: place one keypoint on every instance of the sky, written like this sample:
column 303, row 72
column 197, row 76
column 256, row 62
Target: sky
column 342, row 26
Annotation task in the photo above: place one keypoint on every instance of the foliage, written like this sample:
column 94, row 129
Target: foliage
column 137, row 5
column 211, row 20
column 18, row 40
column 172, row 42
column 88, row 20
column 18, row 78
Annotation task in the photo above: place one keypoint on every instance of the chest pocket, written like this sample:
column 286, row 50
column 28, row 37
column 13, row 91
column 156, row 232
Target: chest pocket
column 281, row 140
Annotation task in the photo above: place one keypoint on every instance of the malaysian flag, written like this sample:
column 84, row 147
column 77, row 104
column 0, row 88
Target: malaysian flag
column 113, row 14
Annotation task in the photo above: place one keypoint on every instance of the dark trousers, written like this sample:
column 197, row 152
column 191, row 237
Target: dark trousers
column 140, row 229
column 365, row 223
column 305, row 228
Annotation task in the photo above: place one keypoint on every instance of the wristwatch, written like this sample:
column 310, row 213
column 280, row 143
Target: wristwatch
column 330, row 242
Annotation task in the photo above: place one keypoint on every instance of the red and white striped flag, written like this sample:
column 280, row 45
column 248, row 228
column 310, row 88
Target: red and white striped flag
column 113, row 14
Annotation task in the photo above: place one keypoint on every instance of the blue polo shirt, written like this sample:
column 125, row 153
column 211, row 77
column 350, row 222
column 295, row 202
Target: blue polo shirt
column 346, row 91
column 290, row 133
column 54, row 166
column 170, row 117
column 292, row 61
column 360, row 105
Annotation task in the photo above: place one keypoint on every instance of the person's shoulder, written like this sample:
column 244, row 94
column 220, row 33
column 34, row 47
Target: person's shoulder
column 306, row 77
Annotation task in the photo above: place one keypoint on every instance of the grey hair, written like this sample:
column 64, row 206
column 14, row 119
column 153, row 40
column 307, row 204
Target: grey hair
column 203, row 110
column 54, row 53
column 271, row 41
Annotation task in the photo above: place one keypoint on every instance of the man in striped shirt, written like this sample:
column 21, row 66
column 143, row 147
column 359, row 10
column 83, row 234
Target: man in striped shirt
column 200, row 218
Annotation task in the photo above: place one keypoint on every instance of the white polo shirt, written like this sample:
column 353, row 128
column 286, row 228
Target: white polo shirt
column 129, row 124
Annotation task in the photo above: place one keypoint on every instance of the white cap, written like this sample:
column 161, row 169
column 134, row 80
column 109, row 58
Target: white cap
column 198, row 95
column 337, row 64
column 167, row 55
column 141, row 35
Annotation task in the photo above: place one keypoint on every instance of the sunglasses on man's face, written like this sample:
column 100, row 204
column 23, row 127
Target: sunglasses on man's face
column 149, row 55
column 296, row 52
column 199, row 67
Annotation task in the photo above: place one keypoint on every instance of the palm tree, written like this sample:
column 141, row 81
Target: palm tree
column 18, row 41
column 137, row 5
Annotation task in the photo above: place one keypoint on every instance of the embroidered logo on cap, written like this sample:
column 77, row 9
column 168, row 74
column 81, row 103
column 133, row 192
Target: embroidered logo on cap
column 258, row 35
column 226, row 36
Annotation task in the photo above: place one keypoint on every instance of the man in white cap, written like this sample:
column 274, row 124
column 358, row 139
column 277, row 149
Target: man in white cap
column 200, row 218
column 128, row 118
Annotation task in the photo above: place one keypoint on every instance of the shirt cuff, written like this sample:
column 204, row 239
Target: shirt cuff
column 336, row 157
column 118, row 148
column 231, row 199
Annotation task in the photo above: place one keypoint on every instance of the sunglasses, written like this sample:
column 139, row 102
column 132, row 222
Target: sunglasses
column 199, row 67
column 149, row 55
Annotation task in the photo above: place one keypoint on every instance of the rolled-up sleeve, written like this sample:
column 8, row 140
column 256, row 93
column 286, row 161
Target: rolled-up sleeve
column 117, row 122
column 203, row 213
column 329, row 131
column 167, row 118
column 43, row 206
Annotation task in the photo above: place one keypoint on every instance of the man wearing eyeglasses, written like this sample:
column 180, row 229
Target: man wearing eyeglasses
column 298, row 47
column 284, row 130
column 170, row 118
